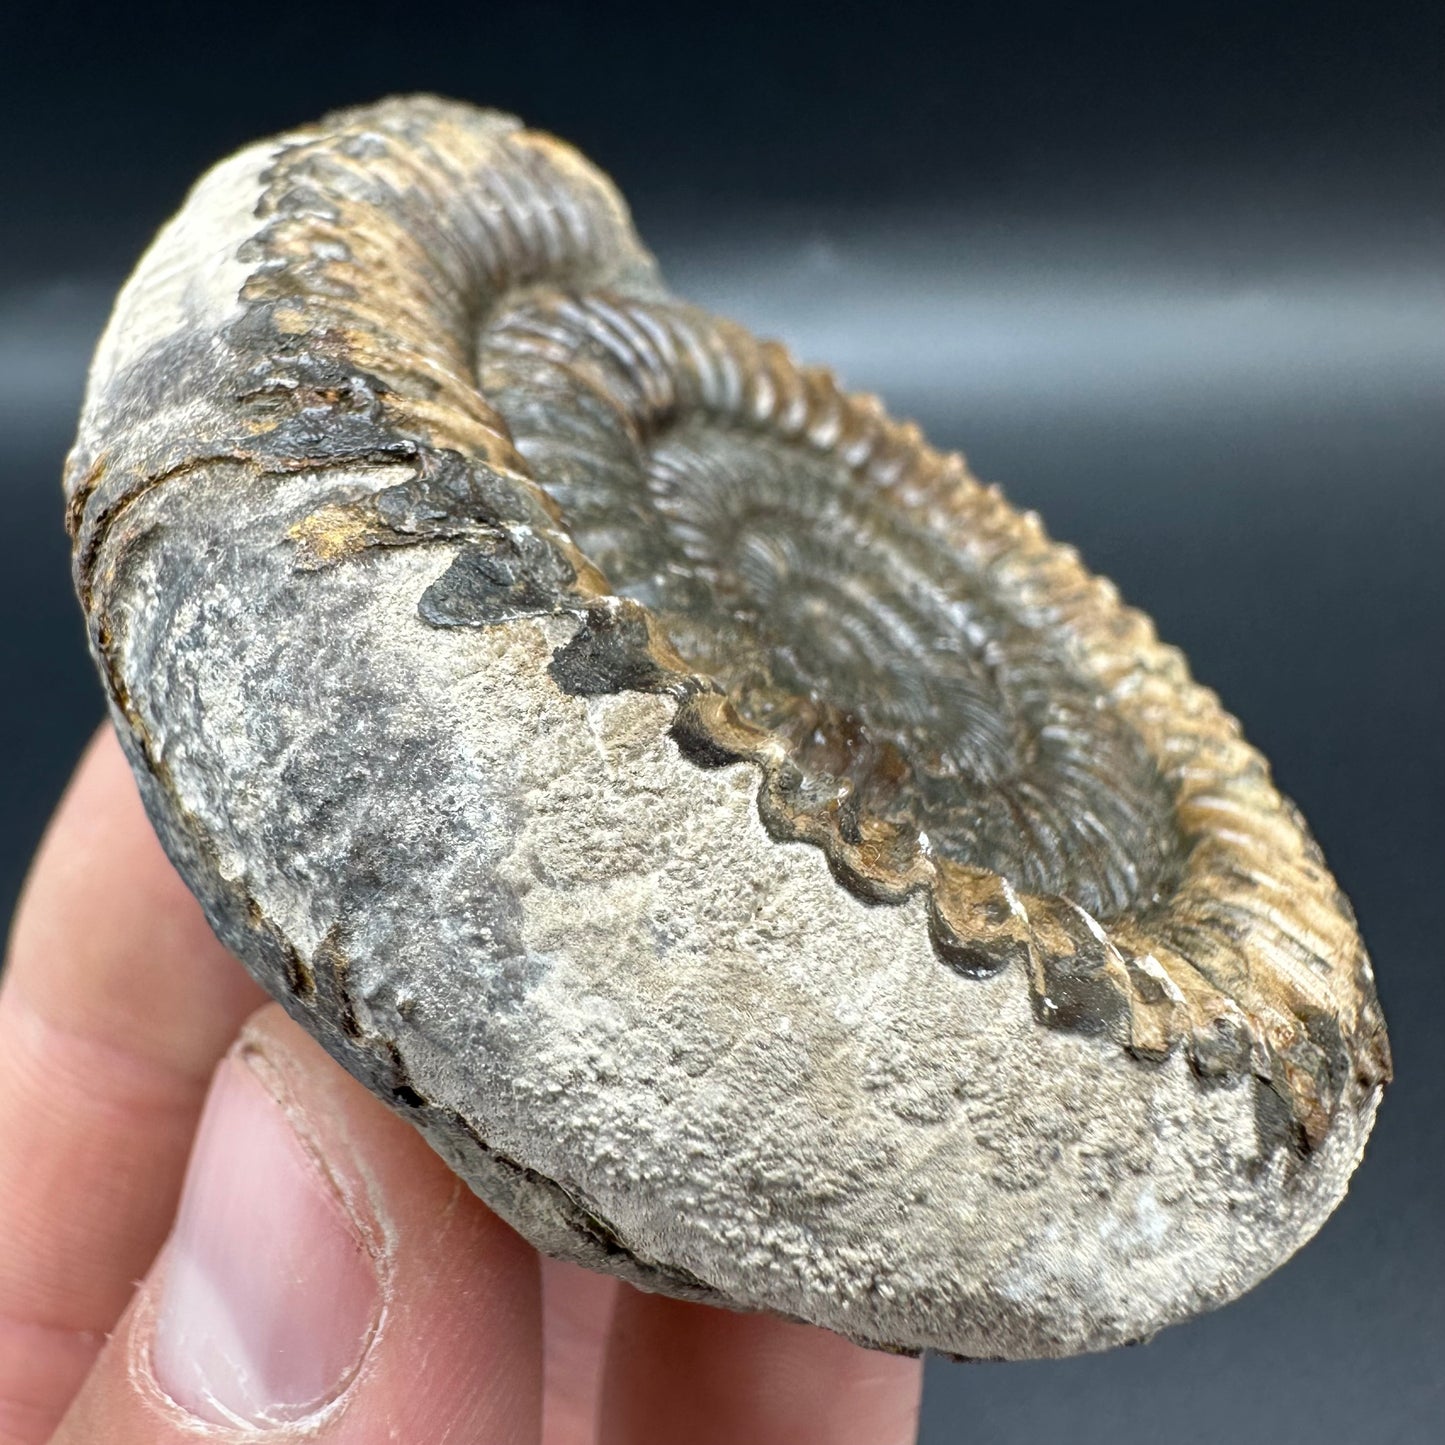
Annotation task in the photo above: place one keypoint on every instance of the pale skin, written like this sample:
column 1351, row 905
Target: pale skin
column 116, row 1007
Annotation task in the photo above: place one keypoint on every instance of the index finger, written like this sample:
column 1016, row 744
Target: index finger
column 115, row 1005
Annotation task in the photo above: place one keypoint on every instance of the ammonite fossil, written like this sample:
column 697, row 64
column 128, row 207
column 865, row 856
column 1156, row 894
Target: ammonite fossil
column 760, row 861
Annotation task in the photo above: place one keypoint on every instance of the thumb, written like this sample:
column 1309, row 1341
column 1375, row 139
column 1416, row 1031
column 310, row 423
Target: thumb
column 326, row 1277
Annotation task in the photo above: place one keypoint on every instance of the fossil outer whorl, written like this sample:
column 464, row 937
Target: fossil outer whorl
column 761, row 862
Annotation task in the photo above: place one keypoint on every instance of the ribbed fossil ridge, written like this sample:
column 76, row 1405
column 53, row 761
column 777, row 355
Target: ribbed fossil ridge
column 940, row 698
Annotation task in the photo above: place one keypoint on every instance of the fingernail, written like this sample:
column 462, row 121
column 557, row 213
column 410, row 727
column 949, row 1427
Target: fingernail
column 269, row 1295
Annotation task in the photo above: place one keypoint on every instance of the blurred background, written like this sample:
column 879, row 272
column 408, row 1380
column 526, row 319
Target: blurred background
column 1173, row 274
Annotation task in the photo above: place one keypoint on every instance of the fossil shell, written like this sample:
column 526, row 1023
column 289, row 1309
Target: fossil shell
column 757, row 858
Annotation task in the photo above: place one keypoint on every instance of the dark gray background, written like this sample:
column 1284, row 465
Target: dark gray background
column 1174, row 275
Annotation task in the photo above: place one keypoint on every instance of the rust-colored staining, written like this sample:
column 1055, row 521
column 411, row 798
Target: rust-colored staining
column 978, row 921
column 76, row 502
column 332, row 533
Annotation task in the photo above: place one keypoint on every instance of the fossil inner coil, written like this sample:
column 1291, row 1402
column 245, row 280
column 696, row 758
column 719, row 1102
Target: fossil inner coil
column 755, row 510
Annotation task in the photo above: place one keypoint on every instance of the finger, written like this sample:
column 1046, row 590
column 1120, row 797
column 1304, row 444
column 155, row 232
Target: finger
column 577, row 1310
column 116, row 1002
column 686, row 1374
column 328, row 1279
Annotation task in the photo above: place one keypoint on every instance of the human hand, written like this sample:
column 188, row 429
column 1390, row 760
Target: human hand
column 325, row 1276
